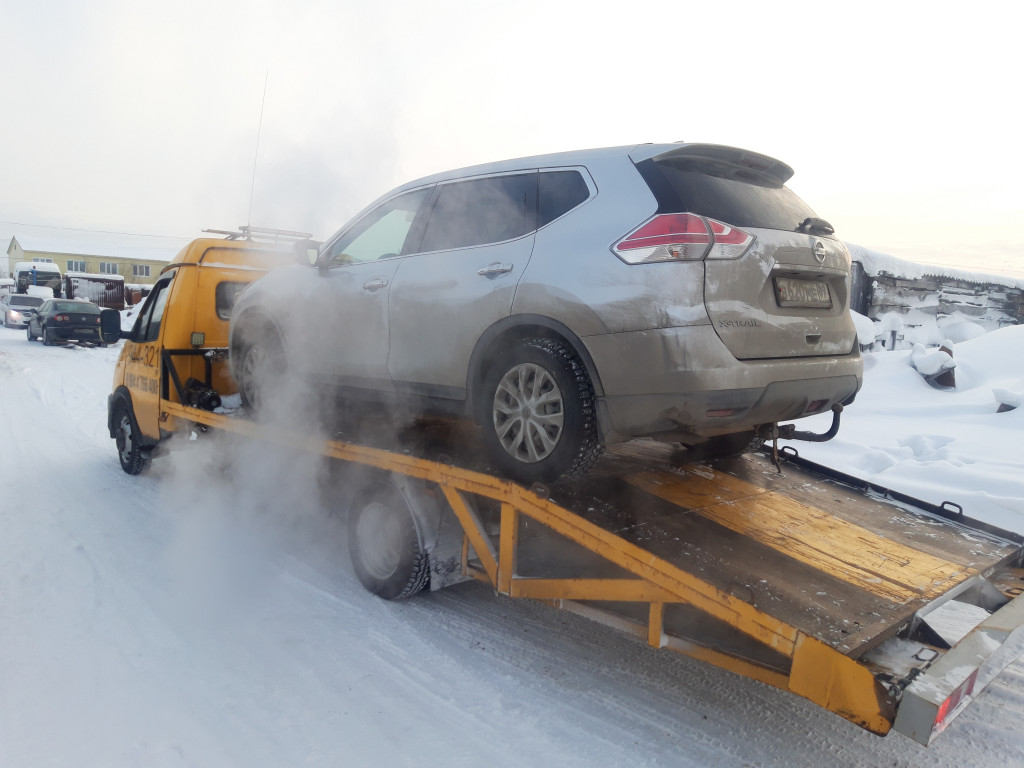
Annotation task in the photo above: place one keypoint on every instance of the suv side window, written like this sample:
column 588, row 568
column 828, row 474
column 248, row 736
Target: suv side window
column 559, row 192
column 381, row 233
column 482, row 211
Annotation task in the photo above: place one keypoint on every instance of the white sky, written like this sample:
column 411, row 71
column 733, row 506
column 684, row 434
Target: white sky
column 901, row 119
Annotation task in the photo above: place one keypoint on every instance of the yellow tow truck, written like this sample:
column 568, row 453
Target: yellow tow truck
column 773, row 568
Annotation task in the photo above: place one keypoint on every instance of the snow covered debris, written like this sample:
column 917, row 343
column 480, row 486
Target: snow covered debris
column 865, row 329
column 1008, row 399
column 931, row 362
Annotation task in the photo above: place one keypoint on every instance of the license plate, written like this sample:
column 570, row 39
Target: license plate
column 802, row 293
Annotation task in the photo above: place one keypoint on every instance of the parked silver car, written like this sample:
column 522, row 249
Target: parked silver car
column 563, row 302
column 18, row 309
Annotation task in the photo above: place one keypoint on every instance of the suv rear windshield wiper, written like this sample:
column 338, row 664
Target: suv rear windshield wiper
column 815, row 226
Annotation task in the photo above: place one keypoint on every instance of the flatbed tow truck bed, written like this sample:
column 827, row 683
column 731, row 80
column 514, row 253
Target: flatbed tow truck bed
column 795, row 576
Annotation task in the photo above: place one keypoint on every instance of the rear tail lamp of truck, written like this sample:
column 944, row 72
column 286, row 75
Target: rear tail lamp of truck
column 950, row 707
column 682, row 237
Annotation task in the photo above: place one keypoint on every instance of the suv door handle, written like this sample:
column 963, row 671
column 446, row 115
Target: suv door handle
column 497, row 268
column 375, row 285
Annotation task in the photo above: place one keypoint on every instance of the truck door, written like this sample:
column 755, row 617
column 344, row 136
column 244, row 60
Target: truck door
column 142, row 355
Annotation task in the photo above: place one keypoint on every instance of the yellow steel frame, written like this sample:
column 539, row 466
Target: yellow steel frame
column 817, row 671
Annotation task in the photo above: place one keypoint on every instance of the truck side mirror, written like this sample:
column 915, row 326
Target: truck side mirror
column 306, row 252
column 110, row 326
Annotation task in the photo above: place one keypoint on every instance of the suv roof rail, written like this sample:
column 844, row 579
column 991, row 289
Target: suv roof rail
column 247, row 232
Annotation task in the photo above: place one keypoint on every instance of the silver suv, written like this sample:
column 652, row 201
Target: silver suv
column 563, row 302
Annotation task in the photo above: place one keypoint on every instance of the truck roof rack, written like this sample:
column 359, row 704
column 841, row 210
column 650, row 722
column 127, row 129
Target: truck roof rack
column 246, row 232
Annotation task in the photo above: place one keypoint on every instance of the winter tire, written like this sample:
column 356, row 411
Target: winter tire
column 47, row 341
column 29, row 334
column 261, row 369
column 126, row 437
column 538, row 413
column 384, row 545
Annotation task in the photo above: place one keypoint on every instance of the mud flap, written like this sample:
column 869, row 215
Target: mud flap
column 838, row 683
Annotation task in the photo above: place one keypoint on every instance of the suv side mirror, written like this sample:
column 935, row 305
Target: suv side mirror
column 110, row 326
column 306, row 252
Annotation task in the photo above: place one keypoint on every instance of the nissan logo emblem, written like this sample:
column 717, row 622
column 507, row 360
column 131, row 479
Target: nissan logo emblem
column 819, row 251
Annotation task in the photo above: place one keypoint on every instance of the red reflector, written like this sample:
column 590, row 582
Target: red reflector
column 720, row 412
column 964, row 690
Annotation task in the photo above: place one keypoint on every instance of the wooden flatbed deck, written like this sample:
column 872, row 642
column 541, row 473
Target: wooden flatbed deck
column 840, row 566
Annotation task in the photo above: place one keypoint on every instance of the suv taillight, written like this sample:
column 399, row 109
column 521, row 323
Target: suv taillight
column 682, row 237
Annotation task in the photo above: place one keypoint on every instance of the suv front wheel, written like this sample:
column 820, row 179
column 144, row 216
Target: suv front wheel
column 261, row 370
column 538, row 412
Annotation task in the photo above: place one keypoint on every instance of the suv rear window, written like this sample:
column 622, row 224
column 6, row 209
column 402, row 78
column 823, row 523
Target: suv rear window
column 679, row 188
column 76, row 306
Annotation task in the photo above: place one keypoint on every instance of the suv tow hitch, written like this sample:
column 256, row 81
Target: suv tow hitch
column 774, row 432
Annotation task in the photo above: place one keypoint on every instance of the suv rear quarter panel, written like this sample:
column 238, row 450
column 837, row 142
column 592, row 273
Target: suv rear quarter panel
column 575, row 278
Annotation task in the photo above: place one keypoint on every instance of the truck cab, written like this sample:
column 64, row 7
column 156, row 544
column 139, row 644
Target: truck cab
column 176, row 349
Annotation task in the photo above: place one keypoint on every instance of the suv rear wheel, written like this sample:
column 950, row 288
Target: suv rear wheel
column 538, row 413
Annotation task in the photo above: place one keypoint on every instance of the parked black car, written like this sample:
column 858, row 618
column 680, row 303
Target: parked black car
column 62, row 320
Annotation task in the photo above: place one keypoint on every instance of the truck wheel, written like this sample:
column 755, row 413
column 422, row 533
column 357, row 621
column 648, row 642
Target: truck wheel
column 538, row 413
column 129, row 452
column 385, row 547
column 261, row 370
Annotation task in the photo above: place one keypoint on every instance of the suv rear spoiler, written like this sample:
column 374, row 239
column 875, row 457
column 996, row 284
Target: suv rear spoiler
column 719, row 160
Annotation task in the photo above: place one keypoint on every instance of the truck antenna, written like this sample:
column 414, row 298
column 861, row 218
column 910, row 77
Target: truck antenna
column 259, row 130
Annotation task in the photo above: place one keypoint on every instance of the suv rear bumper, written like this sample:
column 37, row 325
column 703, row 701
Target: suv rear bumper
column 650, row 384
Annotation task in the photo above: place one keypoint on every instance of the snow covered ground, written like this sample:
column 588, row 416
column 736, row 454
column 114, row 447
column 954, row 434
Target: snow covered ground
column 204, row 614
